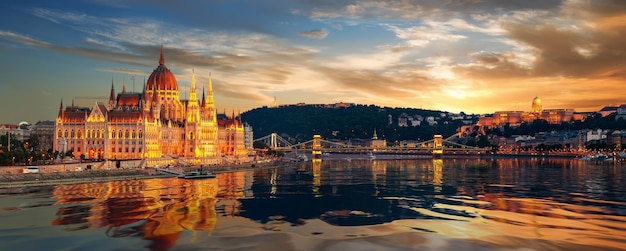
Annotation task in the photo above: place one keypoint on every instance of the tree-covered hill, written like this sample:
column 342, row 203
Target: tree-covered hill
column 300, row 123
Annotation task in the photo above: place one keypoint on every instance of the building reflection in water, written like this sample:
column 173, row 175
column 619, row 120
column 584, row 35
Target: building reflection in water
column 155, row 209
column 555, row 196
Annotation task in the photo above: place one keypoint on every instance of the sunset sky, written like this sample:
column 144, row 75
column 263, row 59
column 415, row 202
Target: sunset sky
column 472, row 56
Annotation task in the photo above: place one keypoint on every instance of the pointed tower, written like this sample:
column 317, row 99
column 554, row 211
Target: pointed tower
column 144, row 98
column 161, row 57
column 374, row 136
column 193, row 114
column 156, row 103
column 203, row 104
column 124, row 86
column 210, row 103
column 111, row 104
column 61, row 111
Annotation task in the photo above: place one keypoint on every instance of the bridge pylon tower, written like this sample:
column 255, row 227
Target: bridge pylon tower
column 317, row 146
column 273, row 141
column 437, row 146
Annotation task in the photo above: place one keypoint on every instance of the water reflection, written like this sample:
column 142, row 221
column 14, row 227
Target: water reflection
column 157, row 209
column 499, row 201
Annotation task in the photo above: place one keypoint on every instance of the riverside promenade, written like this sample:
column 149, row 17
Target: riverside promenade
column 10, row 178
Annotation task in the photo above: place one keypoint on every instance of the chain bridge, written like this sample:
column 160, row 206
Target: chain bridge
column 317, row 146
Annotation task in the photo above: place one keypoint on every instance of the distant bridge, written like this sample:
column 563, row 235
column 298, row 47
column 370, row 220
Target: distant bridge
column 318, row 145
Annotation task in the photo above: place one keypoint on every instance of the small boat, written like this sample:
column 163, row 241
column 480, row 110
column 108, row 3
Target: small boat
column 371, row 156
column 201, row 174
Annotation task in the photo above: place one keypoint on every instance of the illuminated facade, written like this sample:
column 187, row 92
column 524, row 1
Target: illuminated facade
column 155, row 125
column 516, row 118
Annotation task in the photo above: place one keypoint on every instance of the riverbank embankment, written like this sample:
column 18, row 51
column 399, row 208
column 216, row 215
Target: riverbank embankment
column 87, row 176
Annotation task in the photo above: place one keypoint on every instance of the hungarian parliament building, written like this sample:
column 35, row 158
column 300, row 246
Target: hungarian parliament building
column 154, row 125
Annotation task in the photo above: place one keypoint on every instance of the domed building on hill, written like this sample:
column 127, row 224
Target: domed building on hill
column 154, row 125
column 515, row 118
column 536, row 106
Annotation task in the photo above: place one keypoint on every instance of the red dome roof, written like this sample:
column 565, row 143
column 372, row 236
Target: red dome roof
column 161, row 77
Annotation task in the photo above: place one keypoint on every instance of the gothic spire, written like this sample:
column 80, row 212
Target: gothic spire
column 112, row 96
column 192, row 90
column 155, row 96
column 61, row 112
column 161, row 58
column 203, row 99
column 210, row 104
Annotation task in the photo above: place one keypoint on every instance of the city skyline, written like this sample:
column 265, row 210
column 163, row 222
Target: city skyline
column 471, row 56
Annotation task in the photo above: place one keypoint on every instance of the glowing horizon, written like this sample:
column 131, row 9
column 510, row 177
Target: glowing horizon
column 476, row 57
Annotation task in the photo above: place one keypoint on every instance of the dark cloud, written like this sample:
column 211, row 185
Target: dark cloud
column 315, row 34
column 377, row 84
column 492, row 66
column 573, row 54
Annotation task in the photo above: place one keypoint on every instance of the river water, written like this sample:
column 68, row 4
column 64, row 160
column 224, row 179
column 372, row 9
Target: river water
column 445, row 204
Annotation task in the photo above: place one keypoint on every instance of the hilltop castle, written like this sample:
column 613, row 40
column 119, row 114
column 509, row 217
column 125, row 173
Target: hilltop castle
column 154, row 125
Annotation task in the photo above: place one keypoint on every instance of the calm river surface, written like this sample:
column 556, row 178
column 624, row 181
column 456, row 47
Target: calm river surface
column 449, row 204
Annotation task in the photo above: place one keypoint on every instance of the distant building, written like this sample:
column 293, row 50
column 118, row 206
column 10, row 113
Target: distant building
column 621, row 112
column 248, row 137
column 516, row 118
column 19, row 132
column 377, row 143
column 607, row 110
column 44, row 130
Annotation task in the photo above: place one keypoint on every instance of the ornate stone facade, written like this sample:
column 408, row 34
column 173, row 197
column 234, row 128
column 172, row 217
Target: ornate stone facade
column 154, row 125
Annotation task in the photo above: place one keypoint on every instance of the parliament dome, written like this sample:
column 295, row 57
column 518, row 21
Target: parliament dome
column 161, row 77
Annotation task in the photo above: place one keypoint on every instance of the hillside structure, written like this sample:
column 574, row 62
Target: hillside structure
column 515, row 118
column 154, row 125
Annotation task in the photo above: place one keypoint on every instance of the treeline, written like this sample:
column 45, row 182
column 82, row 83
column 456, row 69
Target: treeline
column 21, row 152
column 300, row 123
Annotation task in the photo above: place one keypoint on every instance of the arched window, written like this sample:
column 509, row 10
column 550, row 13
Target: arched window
column 79, row 134
column 73, row 134
column 60, row 133
column 113, row 134
column 120, row 134
column 191, row 135
column 127, row 134
column 134, row 135
column 140, row 134
column 101, row 133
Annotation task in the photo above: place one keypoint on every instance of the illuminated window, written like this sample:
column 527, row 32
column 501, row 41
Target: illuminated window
column 67, row 134
column 119, row 135
column 134, row 135
column 79, row 134
column 127, row 134
column 60, row 133
column 73, row 135
column 140, row 134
